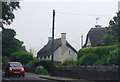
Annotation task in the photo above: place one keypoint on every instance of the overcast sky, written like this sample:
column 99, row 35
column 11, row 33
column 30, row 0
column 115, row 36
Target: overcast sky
column 33, row 22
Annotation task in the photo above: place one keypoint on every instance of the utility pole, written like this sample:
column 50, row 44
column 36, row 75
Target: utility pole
column 53, row 35
column 81, row 41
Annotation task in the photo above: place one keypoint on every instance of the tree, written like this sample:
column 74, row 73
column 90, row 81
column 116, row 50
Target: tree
column 21, row 56
column 9, row 43
column 113, row 31
column 7, row 11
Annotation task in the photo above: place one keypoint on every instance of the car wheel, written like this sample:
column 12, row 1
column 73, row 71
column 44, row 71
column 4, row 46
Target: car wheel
column 6, row 75
column 19, row 75
column 23, row 75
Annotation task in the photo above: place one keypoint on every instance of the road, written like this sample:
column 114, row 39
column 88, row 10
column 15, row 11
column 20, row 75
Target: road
column 29, row 77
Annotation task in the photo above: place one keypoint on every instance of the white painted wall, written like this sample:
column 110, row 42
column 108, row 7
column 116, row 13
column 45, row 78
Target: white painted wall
column 88, row 43
column 63, row 53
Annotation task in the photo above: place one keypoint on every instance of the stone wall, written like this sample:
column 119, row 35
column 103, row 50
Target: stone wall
column 106, row 73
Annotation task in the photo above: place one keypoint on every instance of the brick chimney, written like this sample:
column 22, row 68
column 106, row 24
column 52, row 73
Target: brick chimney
column 63, row 38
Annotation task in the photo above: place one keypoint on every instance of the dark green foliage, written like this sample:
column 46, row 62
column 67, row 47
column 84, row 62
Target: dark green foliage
column 114, row 57
column 5, row 59
column 69, row 62
column 9, row 43
column 113, row 36
column 103, row 55
column 85, row 51
column 33, row 63
column 47, row 64
column 102, row 60
column 87, row 59
column 21, row 56
column 7, row 11
column 41, row 70
column 99, row 51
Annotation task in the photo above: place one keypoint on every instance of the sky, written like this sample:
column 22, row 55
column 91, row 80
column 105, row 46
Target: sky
column 33, row 21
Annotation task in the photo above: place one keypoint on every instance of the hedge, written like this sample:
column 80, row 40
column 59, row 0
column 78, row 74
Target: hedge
column 102, row 55
column 99, row 51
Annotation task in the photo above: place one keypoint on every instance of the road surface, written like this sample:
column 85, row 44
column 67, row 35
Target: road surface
column 29, row 77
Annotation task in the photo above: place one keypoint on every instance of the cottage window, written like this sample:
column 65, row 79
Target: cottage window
column 40, row 57
column 69, row 52
column 44, row 57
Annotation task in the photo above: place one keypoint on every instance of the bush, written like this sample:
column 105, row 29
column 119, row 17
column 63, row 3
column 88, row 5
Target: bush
column 21, row 56
column 69, row 62
column 83, row 51
column 106, row 55
column 102, row 61
column 33, row 63
column 113, row 58
column 41, row 70
column 47, row 64
column 5, row 59
column 87, row 59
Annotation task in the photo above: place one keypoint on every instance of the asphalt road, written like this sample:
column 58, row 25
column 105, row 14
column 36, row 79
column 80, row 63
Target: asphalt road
column 29, row 77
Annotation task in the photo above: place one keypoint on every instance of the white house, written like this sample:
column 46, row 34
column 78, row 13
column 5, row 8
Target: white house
column 62, row 50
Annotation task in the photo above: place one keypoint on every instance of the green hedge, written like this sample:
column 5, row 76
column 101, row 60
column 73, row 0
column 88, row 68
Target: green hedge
column 87, row 59
column 103, row 55
column 99, row 51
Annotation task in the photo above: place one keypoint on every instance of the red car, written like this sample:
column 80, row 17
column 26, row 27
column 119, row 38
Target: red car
column 14, row 68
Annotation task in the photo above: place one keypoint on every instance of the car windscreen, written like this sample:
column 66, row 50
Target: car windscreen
column 15, row 65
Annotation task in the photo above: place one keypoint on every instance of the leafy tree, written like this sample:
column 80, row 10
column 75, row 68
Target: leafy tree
column 113, row 31
column 21, row 56
column 7, row 11
column 9, row 43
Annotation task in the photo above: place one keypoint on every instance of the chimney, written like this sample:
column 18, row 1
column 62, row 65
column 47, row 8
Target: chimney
column 49, row 39
column 63, row 38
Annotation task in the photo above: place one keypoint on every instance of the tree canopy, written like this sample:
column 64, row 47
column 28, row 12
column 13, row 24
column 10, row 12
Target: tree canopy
column 7, row 11
column 9, row 43
column 113, row 31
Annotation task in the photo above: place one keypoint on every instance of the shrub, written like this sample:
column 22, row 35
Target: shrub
column 102, row 61
column 87, row 59
column 113, row 58
column 106, row 55
column 5, row 59
column 21, row 56
column 33, row 63
column 99, row 51
column 41, row 70
column 69, row 62
column 47, row 64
